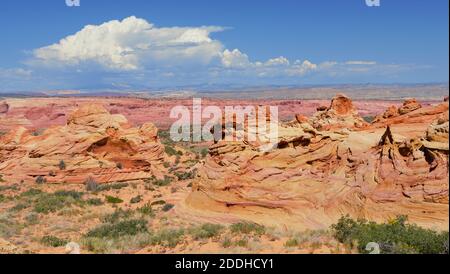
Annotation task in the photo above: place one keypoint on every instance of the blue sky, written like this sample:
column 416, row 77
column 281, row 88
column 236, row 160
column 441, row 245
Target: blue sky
column 149, row 44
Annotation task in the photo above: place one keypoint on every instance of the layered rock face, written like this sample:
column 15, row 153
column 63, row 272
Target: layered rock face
column 340, row 114
column 331, row 165
column 409, row 106
column 94, row 143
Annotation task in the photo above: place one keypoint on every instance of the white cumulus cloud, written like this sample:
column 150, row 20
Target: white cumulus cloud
column 136, row 44
column 138, row 53
column 131, row 44
column 300, row 68
column 279, row 61
column 235, row 59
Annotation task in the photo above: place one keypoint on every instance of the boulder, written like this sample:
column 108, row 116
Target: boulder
column 392, row 111
column 438, row 131
column 409, row 106
column 342, row 105
column 301, row 118
column 341, row 114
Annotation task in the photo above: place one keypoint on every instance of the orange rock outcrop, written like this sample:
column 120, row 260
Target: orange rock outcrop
column 94, row 143
column 340, row 114
column 332, row 165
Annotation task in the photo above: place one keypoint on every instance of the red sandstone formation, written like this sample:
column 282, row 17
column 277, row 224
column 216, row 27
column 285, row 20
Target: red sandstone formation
column 420, row 117
column 391, row 112
column 92, row 143
column 315, row 176
column 409, row 106
column 321, row 167
column 340, row 114
column 301, row 118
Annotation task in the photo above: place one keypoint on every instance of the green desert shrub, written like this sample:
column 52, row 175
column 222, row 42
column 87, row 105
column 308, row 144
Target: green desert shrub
column 204, row 152
column 94, row 202
column 62, row 165
column 227, row 243
column 183, row 176
column 247, row 228
column 146, row 210
column 38, row 132
column 162, row 182
column 206, row 231
column 159, row 202
column 32, row 218
column 168, row 237
column 50, row 204
column 393, row 237
column 14, row 187
column 72, row 194
column 31, row 192
column 136, row 200
column 167, row 207
column 114, row 186
column 53, row 241
column 241, row 242
column 164, row 136
column 113, row 200
column 292, row 242
column 117, row 216
column 124, row 244
column 21, row 206
column 91, row 184
column 369, row 119
column 8, row 226
column 40, row 180
column 172, row 151
column 97, row 245
column 53, row 202
column 119, row 229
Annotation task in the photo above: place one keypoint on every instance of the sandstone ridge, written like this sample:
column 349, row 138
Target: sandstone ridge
column 330, row 165
column 93, row 143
